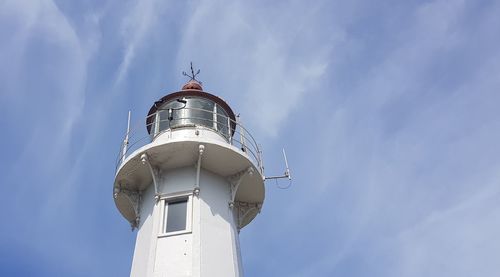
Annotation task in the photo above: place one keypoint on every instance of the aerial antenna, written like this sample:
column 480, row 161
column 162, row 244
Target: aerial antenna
column 126, row 140
column 193, row 75
column 286, row 174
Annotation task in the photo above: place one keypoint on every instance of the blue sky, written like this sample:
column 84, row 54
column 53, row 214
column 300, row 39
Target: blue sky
column 389, row 111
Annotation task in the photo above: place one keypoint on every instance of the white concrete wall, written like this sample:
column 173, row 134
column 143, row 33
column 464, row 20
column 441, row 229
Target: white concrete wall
column 218, row 257
column 144, row 241
column 174, row 254
column 210, row 249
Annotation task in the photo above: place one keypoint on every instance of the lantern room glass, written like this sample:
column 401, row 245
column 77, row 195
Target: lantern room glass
column 190, row 112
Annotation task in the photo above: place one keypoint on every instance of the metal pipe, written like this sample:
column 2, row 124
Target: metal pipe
column 201, row 148
column 214, row 117
column 157, row 124
column 261, row 160
column 229, row 131
column 125, row 141
column 287, row 172
column 242, row 137
column 145, row 160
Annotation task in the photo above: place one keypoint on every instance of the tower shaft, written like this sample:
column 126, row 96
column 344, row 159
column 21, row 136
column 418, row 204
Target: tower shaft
column 209, row 244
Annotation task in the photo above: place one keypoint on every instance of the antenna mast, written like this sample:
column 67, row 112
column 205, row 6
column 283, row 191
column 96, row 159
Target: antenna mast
column 287, row 171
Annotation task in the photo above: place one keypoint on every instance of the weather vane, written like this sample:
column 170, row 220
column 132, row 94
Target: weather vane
column 193, row 75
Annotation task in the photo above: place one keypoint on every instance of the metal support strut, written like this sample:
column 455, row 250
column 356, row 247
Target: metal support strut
column 201, row 149
column 154, row 174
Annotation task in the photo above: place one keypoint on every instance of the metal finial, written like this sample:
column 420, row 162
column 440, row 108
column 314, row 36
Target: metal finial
column 193, row 75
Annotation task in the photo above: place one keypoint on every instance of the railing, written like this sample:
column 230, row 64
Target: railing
column 232, row 131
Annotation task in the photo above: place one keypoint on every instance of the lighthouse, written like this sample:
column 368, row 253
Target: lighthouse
column 188, row 182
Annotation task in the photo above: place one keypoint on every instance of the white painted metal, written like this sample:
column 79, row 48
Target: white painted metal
column 287, row 171
column 125, row 141
column 154, row 174
column 214, row 117
column 225, row 189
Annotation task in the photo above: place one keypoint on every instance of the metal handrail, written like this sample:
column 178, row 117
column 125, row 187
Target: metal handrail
column 137, row 138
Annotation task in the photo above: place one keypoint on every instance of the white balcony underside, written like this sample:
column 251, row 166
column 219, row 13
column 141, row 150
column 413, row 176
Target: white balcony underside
column 179, row 148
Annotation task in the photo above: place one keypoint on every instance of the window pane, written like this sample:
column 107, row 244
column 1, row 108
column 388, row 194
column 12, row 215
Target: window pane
column 222, row 121
column 201, row 112
column 164, row 121
column 176, row 216
column 198, row 111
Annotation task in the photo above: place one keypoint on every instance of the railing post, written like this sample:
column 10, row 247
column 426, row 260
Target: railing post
column 125, row 141
column 157, row 124
column 229, row 130
column 242, row 137
column 214, row 117
column 261, row 160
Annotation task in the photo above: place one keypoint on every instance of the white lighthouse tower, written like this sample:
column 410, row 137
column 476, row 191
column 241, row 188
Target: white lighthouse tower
column 189, row 184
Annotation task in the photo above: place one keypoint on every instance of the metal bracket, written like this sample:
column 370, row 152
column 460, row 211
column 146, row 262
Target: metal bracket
column 235, row 182
column 196, row 191
column 244, row 208
column 154, row 174
column 134, row 196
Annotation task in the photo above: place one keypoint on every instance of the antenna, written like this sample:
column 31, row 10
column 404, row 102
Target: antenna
column 193, row 75
column 287, row 171
column 286, row 174
column 125, row 141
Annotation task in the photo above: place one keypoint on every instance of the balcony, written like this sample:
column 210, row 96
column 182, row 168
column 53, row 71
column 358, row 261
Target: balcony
column 174, row 116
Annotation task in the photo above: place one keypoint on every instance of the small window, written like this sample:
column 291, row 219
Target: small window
column 176, row 216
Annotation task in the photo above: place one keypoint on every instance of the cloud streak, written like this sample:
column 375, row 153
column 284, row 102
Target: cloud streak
column 258, row 61
column 43, row 91
column 135, row 27
column 410, row 136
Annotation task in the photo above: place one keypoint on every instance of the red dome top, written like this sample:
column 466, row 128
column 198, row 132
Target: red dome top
column 192, row 84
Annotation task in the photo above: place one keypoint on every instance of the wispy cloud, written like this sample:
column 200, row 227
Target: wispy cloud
column 43, row 90
column 458, row 241
column 61, row 69
column 408, row 139
column 265, row 64
column 134, row 30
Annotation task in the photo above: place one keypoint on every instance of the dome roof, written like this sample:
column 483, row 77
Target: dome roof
column 192, row 84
